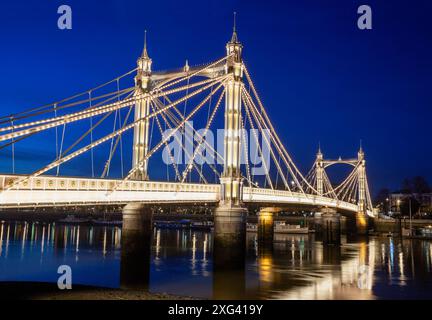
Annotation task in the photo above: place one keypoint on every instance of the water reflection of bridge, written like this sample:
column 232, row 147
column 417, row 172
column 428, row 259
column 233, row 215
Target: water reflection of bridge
column 297, row 267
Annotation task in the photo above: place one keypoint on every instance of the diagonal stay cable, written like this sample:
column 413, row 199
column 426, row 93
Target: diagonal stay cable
column 98, row 142
column 198, row 148
column 149, row 154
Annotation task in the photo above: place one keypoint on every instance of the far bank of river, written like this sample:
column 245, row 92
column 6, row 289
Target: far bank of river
column 377, row 225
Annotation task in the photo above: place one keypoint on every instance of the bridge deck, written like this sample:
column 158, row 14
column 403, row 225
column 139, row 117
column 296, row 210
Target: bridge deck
column 46, row 191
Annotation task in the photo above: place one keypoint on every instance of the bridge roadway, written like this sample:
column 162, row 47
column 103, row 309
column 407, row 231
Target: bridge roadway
column 48, row 191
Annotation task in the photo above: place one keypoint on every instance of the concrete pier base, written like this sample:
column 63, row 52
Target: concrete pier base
column 331, row 226
column 229, row 252
column 362, row 223
column 318, row 226
column 229, row 235
column 136, row 246
column 266, row 225
column 357, row 224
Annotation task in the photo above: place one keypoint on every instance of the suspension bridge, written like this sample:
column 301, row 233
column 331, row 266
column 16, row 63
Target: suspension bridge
column 150, row 114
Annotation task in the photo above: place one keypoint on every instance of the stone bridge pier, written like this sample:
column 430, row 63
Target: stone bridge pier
column 358, row 224
column 229, row 245
column 266, row 224
column 136, row 240
column 330, row 226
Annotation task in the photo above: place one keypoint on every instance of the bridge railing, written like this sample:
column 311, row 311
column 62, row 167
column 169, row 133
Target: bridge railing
column 85, row 184
column 45, row 191
column 288, row 197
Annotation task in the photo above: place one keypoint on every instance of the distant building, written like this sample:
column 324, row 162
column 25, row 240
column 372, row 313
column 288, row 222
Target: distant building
column 425, row 200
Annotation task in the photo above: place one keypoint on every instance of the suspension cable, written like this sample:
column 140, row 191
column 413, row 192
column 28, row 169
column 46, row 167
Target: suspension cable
column 177, row 173
column 258, row 145
column 118, row 140
column 197, row 149
column 107, row 108
column 149, row 154
column 114, row 128
column 279, row 169
column 179, row 140
column 16, row 115
column 218, row 155
column 13, row 149
column 91, row 136
column 285, row 152
column 56, row 132
column 61, row 149
column 98, row 142
column 246, row 151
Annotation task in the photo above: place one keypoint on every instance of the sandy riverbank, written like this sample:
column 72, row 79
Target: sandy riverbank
column 49, row 291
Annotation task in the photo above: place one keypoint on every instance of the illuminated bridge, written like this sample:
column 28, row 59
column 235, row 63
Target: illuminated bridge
column 154, row 112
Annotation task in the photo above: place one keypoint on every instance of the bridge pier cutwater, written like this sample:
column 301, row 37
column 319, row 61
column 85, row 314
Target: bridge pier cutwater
column 266, row 224
column 229, row 236
column 361, row 223
column 318, row 227
column 331, row 229
column 136, row 240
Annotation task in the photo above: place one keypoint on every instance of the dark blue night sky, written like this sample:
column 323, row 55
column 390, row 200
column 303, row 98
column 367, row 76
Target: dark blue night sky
column 321, row 78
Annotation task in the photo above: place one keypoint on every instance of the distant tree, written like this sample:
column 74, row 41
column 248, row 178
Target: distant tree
column 381, row 199
column 407, row 186
column 420, row 185
column 404, row 206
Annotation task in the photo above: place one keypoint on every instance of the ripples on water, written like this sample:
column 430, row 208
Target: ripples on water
column 297, row 267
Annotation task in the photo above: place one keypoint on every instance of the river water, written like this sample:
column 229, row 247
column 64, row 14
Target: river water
column 181, row 263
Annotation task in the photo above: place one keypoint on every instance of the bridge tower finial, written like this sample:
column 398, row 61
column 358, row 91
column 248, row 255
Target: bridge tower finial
column 234, row 37
column 234, row 49
column 360, row 153
column 145, row 53
column 186, row 67
column 144, row 62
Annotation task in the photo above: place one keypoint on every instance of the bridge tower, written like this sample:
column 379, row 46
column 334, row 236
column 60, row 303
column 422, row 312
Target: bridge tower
column 230, row 215
column 142, row 110
column 361, row 171
column 361, row 216
column 231, row 178
column 319, row 167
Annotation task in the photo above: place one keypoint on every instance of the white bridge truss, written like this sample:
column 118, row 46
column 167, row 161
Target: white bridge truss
column 156, row 102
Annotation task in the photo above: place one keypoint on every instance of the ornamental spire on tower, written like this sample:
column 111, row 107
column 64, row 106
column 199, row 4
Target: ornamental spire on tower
column 234, row 38
column 360, row 153
column 145, row 54
column 234, row 48
column 144, row 62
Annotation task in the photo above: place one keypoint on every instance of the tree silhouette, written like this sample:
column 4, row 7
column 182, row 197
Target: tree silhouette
column 420, row 185
column 417, row 184
column 405, row 204
column 381, row 199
